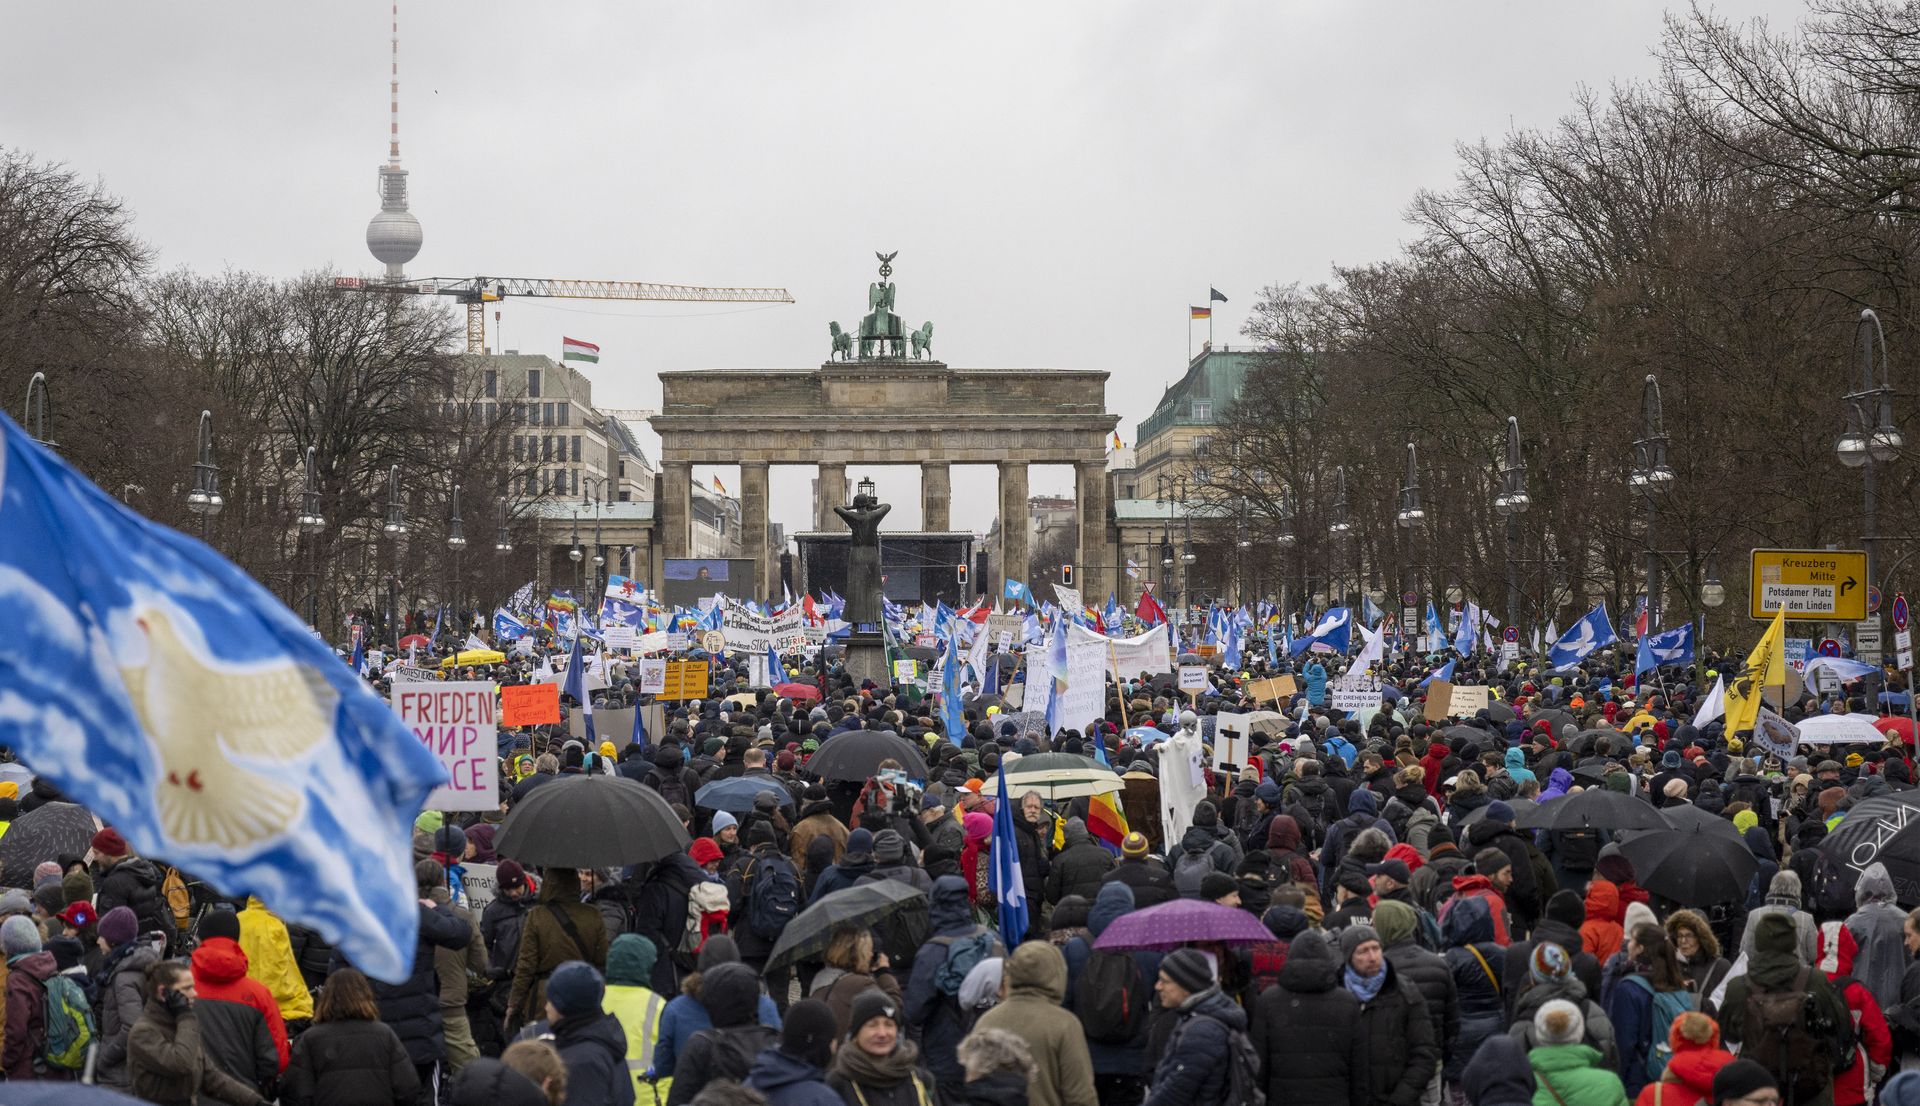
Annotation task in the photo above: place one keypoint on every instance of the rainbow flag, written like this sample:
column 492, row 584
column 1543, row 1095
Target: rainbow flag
column 1105, row 821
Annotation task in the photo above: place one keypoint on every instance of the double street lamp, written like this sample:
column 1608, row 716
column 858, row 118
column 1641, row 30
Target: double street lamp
column 1512, row 501
column 204, row 500
column 456, row 543
column 309, row 522
column 396, row 531
column 1339, row 524
column 1870, row 437
column 1409, row 517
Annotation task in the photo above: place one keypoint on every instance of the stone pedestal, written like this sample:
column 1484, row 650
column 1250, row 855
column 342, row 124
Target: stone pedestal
column 867, row 659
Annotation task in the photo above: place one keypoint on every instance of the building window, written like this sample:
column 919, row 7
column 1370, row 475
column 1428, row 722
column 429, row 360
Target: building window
column 576, row 447
column 533, row 383
column 493, row 383
column 1203, row 410
column 547, row 414
column 565, row 408
column 1201, row 446
column 546, row 447
column 1126, row 491
column 519, row 451
column 576, row 482
column 623, row 468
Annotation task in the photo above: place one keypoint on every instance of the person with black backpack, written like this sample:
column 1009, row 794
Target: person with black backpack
column 1111, row 992
column 1786, row 1016
column 1209, row 1059
column 670, row 776
column 932, row 1011
column 1306, row 1028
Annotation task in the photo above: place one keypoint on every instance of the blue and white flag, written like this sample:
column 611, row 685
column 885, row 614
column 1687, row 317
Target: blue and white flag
column 1468, row 633
column 1009, row 889
column 950, row 689
column 776, row 672
column 168, row 692
column 1582, row 638
column 1436, row 629
column 1444, row 673
column 1370, row 612
column 1230, row 653
column 1018, row 590
column 639, row 735
column 575, row 684
column 1332, row 634
column 1675, row 646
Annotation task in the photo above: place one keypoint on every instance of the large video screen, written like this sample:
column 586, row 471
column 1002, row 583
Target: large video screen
column 687, row 580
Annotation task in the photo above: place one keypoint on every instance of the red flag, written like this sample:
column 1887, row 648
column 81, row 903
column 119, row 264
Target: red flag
column 1149, row 610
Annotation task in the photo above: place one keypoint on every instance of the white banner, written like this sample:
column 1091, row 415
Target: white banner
column 1131, row 656
column 1355, row 693
column 653, row 675
column 1085, row 700
column 790, row 632
column 746, row 631
column 1069, row 598
column 457, row 722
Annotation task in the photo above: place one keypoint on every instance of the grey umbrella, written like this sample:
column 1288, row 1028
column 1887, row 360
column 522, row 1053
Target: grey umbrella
column 47, row 832
column 810, row 930
column 856, row 755
column 589, row 822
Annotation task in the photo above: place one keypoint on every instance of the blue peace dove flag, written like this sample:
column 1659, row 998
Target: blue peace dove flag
column 1675, row 646
column 1333, row 633
column 172, row 695
column 506, row 627
column 1588, row 634
column 1008, row 887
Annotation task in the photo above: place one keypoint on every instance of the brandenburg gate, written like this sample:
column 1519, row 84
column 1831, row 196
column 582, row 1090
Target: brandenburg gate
column 883, row 399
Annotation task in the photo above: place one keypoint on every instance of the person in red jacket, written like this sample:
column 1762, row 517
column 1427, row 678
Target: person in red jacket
column 1601, row 933
column 1435, row 759
column 240, row 1025
column 1873, row 1048
column 1493, row 874
column 1697, row 1058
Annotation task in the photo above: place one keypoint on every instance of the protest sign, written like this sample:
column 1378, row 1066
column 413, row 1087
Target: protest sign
column 1004, row 629
column 1465, row 702
column 483, row 885
column 1145, row 653
column 609, row 724
column 685, row 680
column 458, row 724
column 653, row 675
column 1193, row 678
column 1277, row 689
column 747, row 631
column 905, row 671
column 676, row 642
column 1439, row 697
column 1355, row 693
column 1085, row 700
column 789, row 631
column 409, row 674
column 1232, row 741
column 619, row 635
column 529, row 704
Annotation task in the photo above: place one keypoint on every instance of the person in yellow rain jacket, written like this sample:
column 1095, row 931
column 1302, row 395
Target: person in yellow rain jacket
column 9, row 791
column 263, row 937
column 629, row 968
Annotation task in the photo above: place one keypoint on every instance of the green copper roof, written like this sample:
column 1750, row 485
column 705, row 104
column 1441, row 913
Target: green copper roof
column 1212, row 381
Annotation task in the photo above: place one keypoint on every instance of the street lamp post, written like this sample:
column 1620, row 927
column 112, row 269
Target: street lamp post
column 456, row 543
column 1512, row 501
column 37, row 418
column 577, row 556
column 1712, row 594
column 1870, row 439
column 396, row 531
column 204, row 500
column 1338, row 526
column 1650, row 474
column 1409, row 517
column 309, row 523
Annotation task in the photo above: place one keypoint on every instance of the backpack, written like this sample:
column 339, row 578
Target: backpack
column 1829, row 897
column 1112, row 997
column 963, row 954
column 1311, row 819
column 671, row 786
column 1187, row 874
column 1667, row 1005
column 1244, row 1085
column 706, row 916
column 902, row 932
column 773, row 895
column 1780, row 1036
column 70, row 1025
column 174, row 889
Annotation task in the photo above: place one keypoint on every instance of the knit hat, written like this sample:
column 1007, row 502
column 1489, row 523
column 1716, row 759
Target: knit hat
column 889, row 847
column 870, row 1004
column 219, row 923
column 721, row 820
column 1548, row 962
column 1740, row 1079
column 808, row 1032
column 1189, row 968
column 1560, row 1023
column 1745, row 820
column 630, row 961
column 45, row 872
column 19, row 936
column 704, row 851
column 1215, row 884
column 510, row 875
column 1637, row 914
column 575, row 988
column 1352, row 937
column 1567, row 908
column 450, row 840
column 1395, row 921
column 931, row 800
column 108, row 842
column 1134, row 844
column 1268, row 792
column 79, row 915
column 50, row 897
column 1499, row 811
column 14, row 901
column 118, row 926
column 859, row 846
column 1490, row 860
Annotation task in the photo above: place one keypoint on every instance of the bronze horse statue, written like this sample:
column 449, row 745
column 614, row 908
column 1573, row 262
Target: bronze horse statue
column 842, row 342
column 922, row 340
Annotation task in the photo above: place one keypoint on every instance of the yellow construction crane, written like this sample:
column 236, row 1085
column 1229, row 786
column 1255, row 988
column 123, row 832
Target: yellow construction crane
column 477, row 292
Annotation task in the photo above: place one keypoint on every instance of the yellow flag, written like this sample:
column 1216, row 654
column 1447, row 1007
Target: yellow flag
column 1766, row 667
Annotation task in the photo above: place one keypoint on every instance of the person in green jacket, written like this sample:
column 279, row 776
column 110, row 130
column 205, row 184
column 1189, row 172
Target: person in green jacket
column 629, row 969
column 1566, row 1072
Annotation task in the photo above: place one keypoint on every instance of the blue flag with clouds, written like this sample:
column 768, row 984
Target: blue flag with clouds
column 1588, row 634
column 176, row 698
column 1658, row 650
column 1333, row 632
column 1007, row 884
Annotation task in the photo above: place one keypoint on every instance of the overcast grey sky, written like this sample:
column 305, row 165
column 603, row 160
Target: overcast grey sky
column 1061, row 179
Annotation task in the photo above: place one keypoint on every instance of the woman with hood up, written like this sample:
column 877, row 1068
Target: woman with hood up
column 1694, row 1039
column 1601, row 934
column 1475, row 961
column 1498, row 1074
column 1876, row 928
column 1698, row 950
column 979, row 830
column 1516, row 765
column 1873, row 1050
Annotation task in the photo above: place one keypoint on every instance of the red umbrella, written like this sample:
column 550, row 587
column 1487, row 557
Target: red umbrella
column 416, row 639
column 796, row 691
column 1896, row 725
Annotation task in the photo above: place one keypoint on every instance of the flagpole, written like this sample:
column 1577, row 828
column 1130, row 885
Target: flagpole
column 1113, row 658
column 1209, row 318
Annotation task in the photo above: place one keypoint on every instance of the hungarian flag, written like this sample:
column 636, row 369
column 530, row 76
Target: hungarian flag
column 573, row 349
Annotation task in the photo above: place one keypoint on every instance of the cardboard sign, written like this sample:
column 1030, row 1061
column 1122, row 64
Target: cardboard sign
column 408, row 674
column 458, row 723
column 1005, row 629
column 1361, row 693
column 609, row 724
column 1193, row 678
column 529, row 704
column 653, row 675
column 482, row 882
column 1467, row 701
column 905, row 671
column 1439, row 697
column 685, row 680
column 1277, row 689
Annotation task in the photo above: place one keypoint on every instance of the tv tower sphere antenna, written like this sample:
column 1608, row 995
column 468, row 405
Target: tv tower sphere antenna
column 393, row 236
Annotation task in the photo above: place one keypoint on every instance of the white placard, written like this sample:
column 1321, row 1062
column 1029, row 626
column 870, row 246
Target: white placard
column 676, row 642
column 482, row 882
column 653, row 675
column 1193, row 678
column 408, row 674
column 1085, row 700
column 1355, row 694
column 1232, row 741
column 1131, row 656
column 1467, row 701
column 619, row 635
column 457, row 722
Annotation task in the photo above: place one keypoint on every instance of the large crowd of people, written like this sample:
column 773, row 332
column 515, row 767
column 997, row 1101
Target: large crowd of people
column 1418, row 943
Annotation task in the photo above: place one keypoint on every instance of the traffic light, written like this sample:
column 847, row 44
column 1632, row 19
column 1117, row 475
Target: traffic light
column 1066, row 576
column 960, row 576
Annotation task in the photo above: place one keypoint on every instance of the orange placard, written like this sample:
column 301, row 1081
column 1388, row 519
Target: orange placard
column 529, row 704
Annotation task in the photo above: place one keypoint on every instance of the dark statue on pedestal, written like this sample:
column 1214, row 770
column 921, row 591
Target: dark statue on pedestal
column 866, row 645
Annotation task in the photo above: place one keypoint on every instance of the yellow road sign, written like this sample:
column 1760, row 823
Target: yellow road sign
column 1810, row 585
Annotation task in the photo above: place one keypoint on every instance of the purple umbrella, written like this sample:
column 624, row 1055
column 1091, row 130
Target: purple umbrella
column 1172, row 924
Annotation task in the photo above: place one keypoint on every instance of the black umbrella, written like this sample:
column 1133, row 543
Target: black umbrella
column 1553, row 716
column 1593, row 807
column 1472, row 734
column 856, row 755
column 1693, row 867
column 1499, row 713
column 810, row 930
column 1190, row 658
column 918, row 652
column 47, row 832
column 1878, row 829
column 1592, row 774
column 1691, row 818
column 588, row 822
column 1478, row 814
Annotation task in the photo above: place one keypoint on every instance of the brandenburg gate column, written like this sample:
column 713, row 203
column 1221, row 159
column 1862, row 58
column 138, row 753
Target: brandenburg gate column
column 753, row 524
column 1013, row 527
column 936, row 495
column 1096, row 556
column 676, row 512
column 829, row 492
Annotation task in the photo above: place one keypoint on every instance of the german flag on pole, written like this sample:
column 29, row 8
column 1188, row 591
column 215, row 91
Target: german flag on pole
column 1200, row 312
